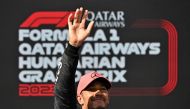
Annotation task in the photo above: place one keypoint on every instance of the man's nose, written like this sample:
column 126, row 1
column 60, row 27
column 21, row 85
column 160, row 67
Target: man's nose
column 97, row 92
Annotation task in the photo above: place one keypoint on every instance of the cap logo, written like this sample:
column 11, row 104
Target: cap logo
column 95, row 75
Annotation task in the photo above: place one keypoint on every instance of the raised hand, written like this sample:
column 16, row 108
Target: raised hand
column 77, row 31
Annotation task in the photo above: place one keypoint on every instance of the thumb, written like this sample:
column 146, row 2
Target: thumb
column 89, row 28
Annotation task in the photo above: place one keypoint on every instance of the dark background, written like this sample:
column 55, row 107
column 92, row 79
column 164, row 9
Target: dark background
column 14, row 12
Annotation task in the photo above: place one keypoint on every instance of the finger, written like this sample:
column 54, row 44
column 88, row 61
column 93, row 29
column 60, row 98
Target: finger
column 76, row 16
column 80, row 13
column 82, row 25
column 69, row 20
column 89, row 28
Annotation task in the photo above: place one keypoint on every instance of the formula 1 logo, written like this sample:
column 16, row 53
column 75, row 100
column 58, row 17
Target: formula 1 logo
column 45, row 44
column 59, row 19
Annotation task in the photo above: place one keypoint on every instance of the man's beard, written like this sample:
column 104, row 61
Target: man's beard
column 96, row 107
column 92, row 106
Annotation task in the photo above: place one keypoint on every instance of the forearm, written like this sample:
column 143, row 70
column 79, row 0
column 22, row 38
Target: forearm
column 65, row 95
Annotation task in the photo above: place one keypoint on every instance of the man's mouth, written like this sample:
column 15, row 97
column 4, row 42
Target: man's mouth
column 98, row 99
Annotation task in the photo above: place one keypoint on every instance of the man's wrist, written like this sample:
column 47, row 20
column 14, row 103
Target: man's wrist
column 75, row 44
column 71, row 50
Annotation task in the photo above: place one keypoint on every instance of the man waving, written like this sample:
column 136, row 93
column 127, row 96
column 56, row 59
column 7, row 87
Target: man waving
column 92, row 90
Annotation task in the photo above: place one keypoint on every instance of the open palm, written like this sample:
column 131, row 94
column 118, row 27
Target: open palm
column 77, row 31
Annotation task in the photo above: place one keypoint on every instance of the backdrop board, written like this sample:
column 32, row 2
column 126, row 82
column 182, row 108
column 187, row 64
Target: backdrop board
column 141, row 46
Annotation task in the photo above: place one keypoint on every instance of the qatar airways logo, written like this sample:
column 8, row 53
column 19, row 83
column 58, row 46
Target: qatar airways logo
column 108, row 19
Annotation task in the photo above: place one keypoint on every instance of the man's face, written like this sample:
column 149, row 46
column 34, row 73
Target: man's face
column 95, row 96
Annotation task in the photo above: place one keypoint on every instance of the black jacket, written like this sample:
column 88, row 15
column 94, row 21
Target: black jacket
column 64, row 90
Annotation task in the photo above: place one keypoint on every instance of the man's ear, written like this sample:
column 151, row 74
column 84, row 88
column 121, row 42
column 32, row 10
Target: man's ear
column 80, row 99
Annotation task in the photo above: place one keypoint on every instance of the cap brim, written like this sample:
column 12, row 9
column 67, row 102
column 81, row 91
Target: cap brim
column 104, row 81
